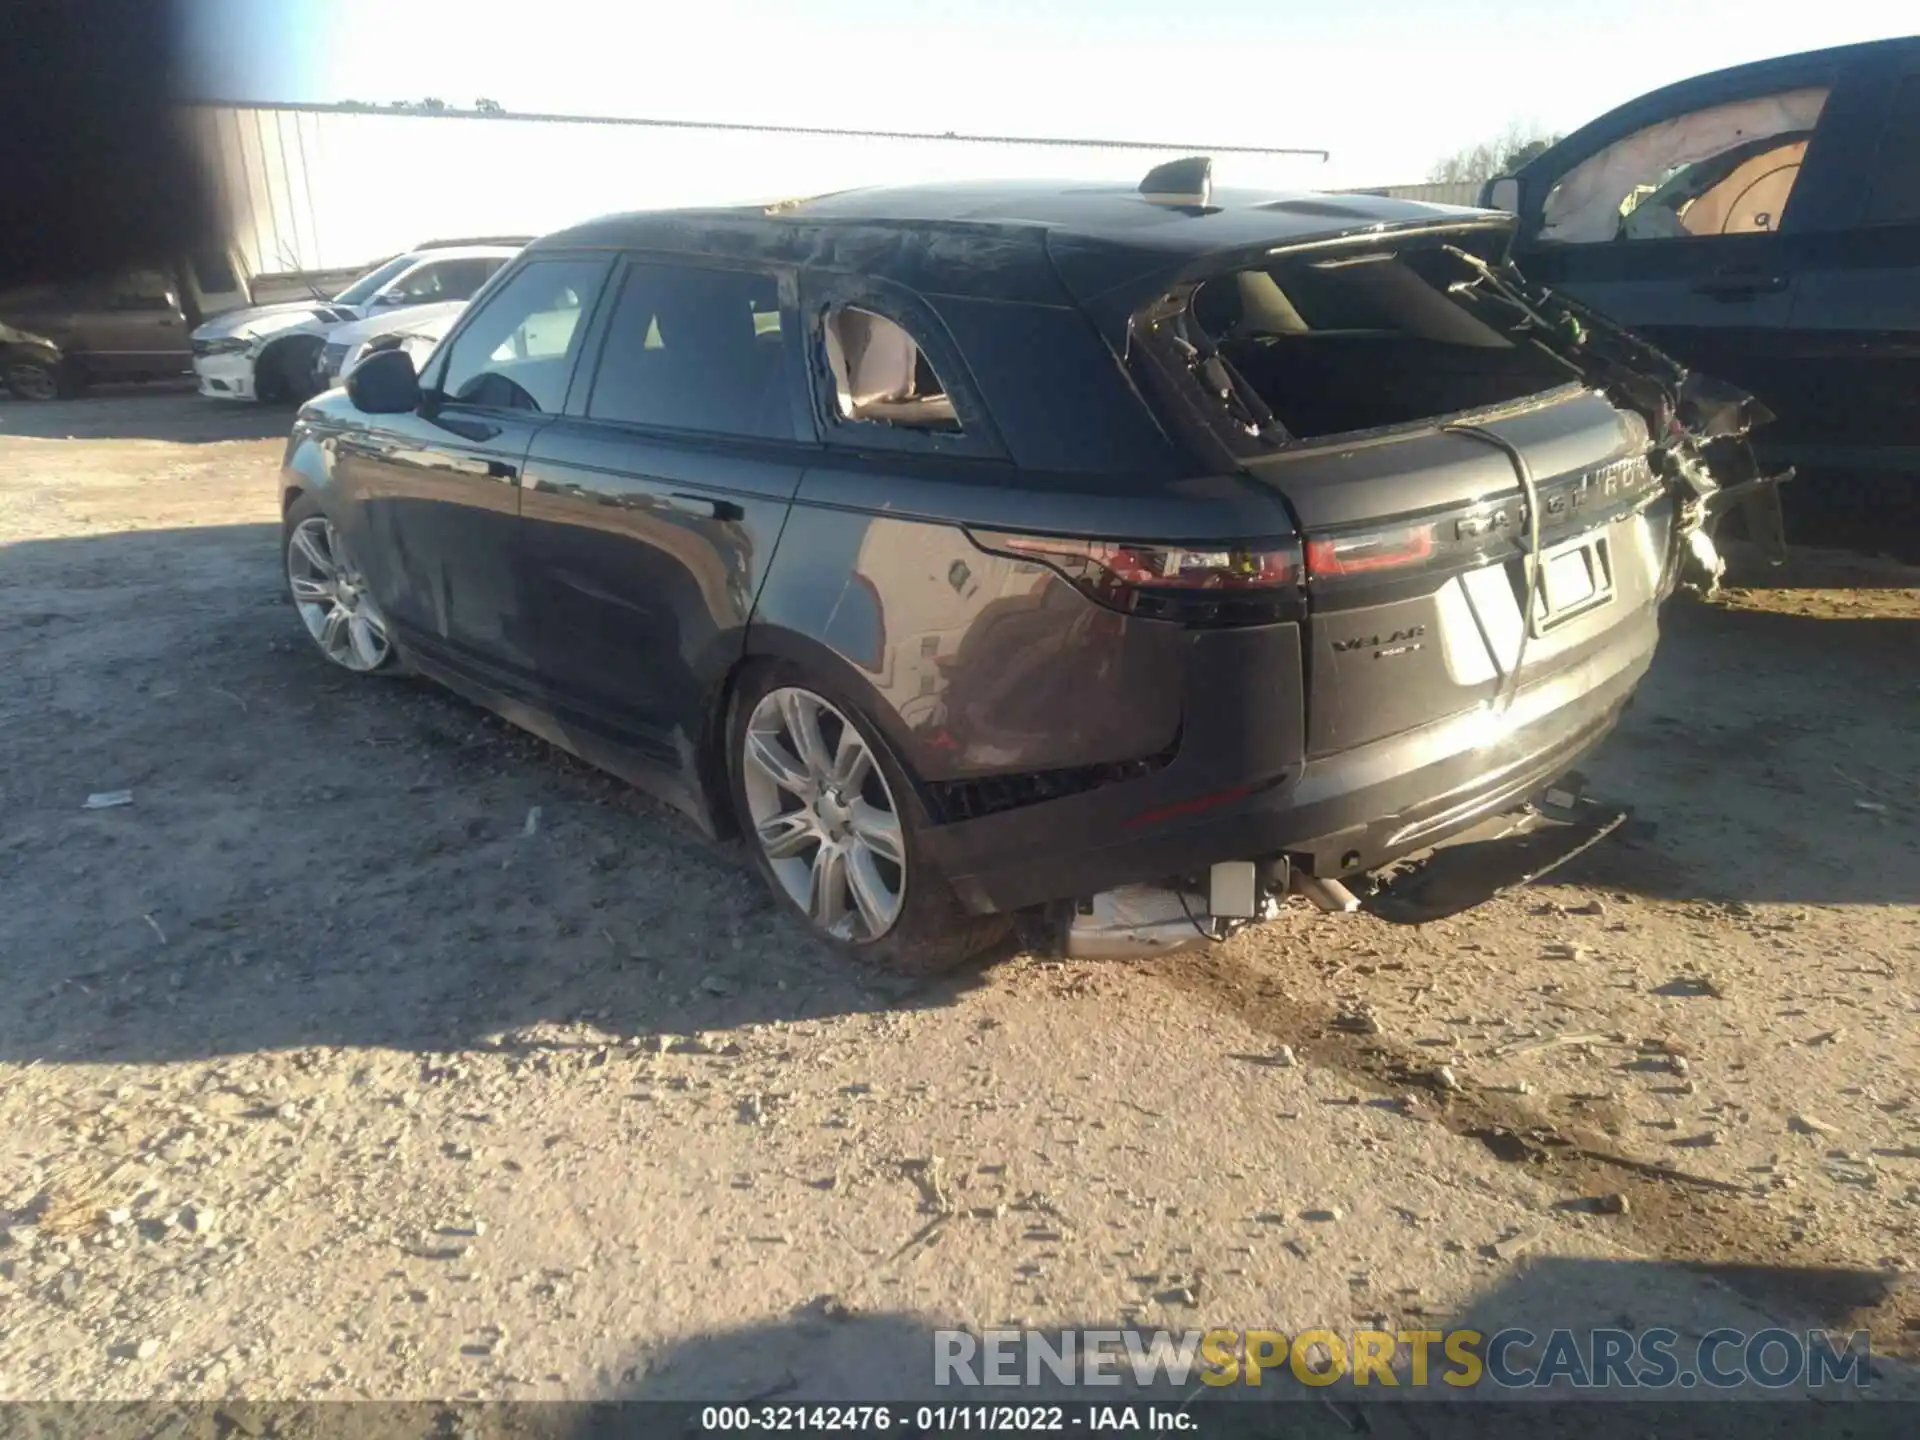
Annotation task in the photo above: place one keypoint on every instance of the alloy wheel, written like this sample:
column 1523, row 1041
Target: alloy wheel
column 823, row 815
column 332, row 598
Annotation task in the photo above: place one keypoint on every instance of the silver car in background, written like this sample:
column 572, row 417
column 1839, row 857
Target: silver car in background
column 416, row 331
column 271, row 352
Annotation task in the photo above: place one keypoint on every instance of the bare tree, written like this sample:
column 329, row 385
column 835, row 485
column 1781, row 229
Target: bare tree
column 1502, row 155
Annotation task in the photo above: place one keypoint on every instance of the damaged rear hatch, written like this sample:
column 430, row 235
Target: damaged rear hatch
column 1496, row 488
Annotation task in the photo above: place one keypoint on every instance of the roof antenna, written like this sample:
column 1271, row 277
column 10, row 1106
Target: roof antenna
column 1186, row 182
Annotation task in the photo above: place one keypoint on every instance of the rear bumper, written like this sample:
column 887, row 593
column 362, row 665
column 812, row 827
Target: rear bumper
column 1343, row 814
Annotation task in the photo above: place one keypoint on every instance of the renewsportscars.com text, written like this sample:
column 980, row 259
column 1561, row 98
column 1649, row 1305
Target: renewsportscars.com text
column 1511, row 1359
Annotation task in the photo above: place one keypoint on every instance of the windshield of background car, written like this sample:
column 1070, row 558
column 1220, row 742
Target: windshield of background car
column 362, row 289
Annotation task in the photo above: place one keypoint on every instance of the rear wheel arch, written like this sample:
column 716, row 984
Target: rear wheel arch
column 777, row 645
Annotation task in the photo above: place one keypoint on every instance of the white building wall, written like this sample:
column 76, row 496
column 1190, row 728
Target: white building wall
column 320, row 189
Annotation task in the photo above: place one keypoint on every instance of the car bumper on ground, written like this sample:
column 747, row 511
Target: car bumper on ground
column 224, row 377
column 1222, row 798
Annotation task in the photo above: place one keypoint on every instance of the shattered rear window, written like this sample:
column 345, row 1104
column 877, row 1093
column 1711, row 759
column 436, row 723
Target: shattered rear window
column 1325, row 343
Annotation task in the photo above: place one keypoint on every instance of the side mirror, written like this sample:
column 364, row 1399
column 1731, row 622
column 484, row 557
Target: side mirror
column 1501, row 194
column 384, row 384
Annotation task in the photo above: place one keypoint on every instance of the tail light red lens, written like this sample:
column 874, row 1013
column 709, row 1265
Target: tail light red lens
column 1399, row 548
column 1239, row 584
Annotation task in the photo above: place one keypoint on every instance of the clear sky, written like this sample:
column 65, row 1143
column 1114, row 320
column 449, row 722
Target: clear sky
column 1388, row 86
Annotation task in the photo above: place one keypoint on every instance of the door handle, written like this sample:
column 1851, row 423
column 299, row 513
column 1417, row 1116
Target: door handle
column 1739, row 285
column 488, row 469
column 704, row 506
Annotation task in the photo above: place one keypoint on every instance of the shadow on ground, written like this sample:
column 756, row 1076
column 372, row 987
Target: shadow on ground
column 771, row 1375
column 311, row 857
column 828, row 1353
column 163, row 410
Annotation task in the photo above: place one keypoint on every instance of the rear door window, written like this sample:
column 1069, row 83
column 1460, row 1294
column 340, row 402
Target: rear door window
column 1725, row 170
column 881, row 376
column 886, row 373
column 518, row 351
column 140, row 290
column 690, row 348
column 1894, row 198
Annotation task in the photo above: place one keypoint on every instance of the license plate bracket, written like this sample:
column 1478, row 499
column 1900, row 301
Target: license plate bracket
column 1575, row 578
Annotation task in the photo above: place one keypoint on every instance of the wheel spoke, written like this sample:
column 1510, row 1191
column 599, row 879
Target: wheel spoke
column 321, row 561
column 369, row 646
column 785, row 836
column 827, row 902
column 871, row 897
column 332, row 635
column 310, row 592
column 802, row 719
column 879, row 831
column 852, row 762
column 770, row 757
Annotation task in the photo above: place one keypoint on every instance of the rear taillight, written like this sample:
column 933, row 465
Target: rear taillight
column 1238, row 584
column 1369, row 552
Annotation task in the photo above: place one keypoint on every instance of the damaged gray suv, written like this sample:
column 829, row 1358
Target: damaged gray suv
column 1123, row 557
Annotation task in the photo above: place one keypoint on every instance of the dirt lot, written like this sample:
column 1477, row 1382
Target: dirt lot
column 376, row 1049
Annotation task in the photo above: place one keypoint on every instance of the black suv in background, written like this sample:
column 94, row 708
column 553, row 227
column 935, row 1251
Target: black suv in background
column 1131, row 555
column 1762, row 223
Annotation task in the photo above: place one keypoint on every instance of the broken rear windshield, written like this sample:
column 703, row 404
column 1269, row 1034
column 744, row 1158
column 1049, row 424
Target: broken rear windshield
column 1326, row 342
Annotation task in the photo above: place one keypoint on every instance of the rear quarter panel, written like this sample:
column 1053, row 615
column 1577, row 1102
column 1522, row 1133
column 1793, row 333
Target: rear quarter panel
column 972, row 663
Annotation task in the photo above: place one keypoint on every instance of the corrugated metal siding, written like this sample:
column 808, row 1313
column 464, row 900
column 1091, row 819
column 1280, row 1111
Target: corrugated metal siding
column 318, row 189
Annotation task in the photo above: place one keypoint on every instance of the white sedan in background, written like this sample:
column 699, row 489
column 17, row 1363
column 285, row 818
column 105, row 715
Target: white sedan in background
column 416, row 330
column 271, row 352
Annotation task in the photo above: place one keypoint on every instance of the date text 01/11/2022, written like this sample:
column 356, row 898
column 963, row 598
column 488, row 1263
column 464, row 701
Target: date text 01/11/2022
column 944, row 1419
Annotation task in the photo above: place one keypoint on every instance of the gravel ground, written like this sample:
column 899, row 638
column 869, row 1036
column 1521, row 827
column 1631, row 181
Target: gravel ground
column 378, row 1050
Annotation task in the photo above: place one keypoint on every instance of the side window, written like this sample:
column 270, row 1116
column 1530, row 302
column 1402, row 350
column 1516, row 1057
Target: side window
column 693, row 349
column 517, row 353
column 1895, row 177
column 1727, row 170
column 881, row 376
column 140, row 290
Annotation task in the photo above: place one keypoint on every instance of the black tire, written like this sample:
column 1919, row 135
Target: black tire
column 933, row 934
column 284, row 373
column 31, row 378
column 306, row 506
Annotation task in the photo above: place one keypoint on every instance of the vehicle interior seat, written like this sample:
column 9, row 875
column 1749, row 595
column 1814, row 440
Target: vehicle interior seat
column 879, row 374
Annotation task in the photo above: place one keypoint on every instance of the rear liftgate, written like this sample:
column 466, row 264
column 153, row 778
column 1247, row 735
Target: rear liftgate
column 1699, row 455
